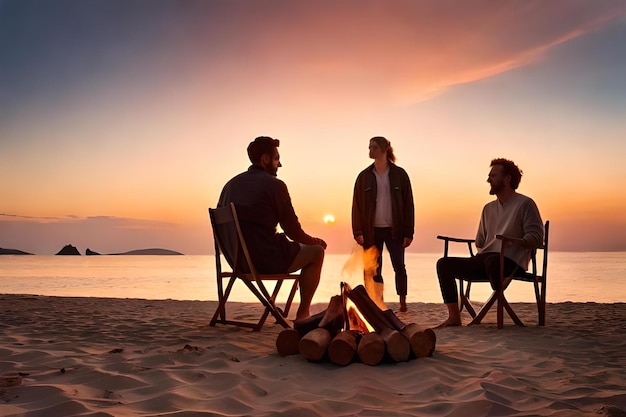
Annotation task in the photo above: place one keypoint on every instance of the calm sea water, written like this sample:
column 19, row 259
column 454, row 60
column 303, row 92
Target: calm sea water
column 578, row 277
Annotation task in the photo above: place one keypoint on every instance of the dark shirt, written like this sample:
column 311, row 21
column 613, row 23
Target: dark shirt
column 262, row 202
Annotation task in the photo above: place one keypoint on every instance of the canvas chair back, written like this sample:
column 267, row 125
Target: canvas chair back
column 230, row 243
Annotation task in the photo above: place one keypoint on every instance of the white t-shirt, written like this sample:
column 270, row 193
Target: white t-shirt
column 383, row 215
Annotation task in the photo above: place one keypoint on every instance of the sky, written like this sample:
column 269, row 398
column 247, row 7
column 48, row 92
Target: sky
column 121, row 120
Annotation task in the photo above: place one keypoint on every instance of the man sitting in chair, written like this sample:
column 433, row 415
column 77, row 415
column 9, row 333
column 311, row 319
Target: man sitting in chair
column 511, row 214
column 263, row 202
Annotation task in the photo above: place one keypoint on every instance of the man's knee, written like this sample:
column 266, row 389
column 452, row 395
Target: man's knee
column 442, row 265
column 312, row 254
column 316, row 253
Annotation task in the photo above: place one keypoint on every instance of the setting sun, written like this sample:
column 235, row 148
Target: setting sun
column 329, row 219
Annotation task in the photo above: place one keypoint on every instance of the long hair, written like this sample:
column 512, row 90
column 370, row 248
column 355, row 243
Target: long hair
column 385, row 145
column 509, row 169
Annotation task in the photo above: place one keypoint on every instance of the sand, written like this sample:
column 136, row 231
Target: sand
column 64, row 356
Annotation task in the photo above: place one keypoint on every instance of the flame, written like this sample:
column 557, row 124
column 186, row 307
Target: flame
column 370, row 260
column 361, row 261
column 374, row 289
column 355, row 319
column 365, row 262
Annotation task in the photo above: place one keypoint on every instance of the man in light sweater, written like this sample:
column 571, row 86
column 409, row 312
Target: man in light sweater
column 511, row 214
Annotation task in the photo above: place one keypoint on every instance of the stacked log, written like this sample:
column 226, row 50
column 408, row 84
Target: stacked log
column 327, row 335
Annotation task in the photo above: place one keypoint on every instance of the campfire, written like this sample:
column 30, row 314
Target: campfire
column 353, row 328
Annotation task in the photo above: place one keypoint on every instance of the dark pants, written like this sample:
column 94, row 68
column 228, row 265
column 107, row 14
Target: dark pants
column 382, row 235
column 482, row 267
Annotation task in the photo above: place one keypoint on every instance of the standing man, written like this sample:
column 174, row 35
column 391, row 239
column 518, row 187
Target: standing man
column 262, row 203
column 511, row 214
column 383, row 213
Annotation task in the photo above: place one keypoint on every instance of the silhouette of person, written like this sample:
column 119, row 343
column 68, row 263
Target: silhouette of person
column 383, row 213
column 263, row 202
column 511, row 214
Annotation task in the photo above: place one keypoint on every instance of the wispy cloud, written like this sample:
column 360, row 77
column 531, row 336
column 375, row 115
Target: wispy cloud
column 407, row 51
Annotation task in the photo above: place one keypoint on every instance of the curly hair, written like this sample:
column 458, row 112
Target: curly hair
column 509, row 169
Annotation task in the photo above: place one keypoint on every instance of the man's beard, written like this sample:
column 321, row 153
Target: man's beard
column 270, row 169
column 495, row 189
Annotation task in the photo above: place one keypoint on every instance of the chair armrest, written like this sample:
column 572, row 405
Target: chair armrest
column 516, row 240
column 448, row 239
column 455, row 239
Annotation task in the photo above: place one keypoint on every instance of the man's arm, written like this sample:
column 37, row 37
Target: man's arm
column 533, row 226
column 289, row 220
column 481, row 233
column 409, row 211
column 357, row 228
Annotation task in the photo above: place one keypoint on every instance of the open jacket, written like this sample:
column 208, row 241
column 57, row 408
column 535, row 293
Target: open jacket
column 364, row 204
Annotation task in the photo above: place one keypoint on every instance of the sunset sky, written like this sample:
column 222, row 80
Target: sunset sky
column 120, row 121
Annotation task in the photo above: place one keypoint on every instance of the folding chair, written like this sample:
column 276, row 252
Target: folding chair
column 536, row 276
column 230, row 243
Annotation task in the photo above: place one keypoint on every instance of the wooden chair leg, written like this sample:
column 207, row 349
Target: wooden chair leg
column 500, row 310
column 485, row 308
column 464, row 299
column 503, row 304
column 512, row 314
column 541, row 305
column 220, row 311
column 270, row 306
column 274, row 295
column 292, row 294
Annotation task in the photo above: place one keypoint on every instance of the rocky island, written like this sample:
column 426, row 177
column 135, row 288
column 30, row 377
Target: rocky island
column 4, row 251
column 68, row 250
column 152, row 251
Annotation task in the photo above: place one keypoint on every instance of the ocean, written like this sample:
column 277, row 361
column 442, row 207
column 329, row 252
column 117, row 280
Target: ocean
column 572, row 276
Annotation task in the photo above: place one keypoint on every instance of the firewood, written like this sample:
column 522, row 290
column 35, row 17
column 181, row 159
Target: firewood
column 371, row 349
column 393, row 319
column 287, row 342
column 396, row 344
column 422, row 339
column 333, row 320
column 342, row 349
column 313, row 345
column 303, row 326
column 368, row 308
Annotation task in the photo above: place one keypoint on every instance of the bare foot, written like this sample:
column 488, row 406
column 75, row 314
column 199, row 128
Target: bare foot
column 449, row 323
column 302, row 313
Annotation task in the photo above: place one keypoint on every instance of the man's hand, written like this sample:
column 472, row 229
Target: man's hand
column 321, row 242
column 406, row 242
column 359, row 239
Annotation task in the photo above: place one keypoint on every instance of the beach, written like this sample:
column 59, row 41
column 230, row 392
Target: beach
column 87, row 356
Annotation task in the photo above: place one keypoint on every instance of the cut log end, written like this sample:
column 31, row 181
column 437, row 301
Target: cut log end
column 371, row 349
column 342, row 349
column 313, row 345
column 422, row 340
column 398, row 346
column 287, row 342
